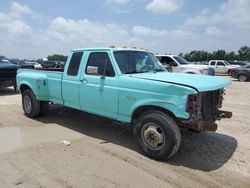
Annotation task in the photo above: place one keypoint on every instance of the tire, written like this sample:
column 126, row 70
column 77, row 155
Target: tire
column 44, row 107
column 157, row 135
column 31, row 106
column 243, row 78
column 229, row 72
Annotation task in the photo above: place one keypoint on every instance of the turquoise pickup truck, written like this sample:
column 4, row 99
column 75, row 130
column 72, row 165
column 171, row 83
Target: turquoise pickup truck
column 130, row 86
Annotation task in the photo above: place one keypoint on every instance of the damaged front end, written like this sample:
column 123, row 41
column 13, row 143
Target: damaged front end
column 204, row 110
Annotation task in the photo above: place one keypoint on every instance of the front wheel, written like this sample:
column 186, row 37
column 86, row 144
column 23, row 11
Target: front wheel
column 158, row 135
column 31, row 106
column 243, row 78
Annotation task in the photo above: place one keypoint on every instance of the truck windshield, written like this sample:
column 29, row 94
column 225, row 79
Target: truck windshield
column 181, row 60
column 133, row 62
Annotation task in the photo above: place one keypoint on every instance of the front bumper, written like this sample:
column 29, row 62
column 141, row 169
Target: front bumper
column 201, row 126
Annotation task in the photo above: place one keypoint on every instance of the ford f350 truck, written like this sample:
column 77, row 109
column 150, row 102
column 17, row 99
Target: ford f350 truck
column 130, row 86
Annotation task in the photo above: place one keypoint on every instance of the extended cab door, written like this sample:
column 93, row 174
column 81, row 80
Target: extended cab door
column 221, row 67
column 98, row 90
column 213, row 65
column 71, row 80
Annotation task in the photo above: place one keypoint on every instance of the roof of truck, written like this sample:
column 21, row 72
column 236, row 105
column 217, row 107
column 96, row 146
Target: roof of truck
column 106, row 49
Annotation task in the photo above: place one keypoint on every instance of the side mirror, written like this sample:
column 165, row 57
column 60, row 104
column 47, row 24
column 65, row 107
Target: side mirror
column 92, row 70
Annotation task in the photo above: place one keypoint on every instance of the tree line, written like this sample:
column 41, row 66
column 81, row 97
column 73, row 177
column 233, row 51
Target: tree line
column 243, row 54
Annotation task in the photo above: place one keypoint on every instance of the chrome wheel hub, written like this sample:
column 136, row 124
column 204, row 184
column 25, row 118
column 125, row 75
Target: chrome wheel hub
column 153, row 136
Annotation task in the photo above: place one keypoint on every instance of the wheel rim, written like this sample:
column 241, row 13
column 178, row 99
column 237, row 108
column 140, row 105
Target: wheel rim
column 242, row 78
column 153, row 136
column 27, row 104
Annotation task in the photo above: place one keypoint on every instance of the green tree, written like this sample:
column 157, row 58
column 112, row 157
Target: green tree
column 57, row 57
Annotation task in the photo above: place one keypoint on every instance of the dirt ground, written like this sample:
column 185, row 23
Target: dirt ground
column 104, row 154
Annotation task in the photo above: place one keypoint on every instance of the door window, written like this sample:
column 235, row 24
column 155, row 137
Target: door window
column 100, row 65
column 220, row 63
column 212, row 63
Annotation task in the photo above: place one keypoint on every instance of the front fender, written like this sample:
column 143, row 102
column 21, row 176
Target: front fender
column 177, row 107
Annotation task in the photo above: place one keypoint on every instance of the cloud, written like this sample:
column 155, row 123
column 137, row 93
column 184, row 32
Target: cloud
column 142, row 31
column 213, row 31
column 19, row 10
column 233, row 13
column 164, row 6
column 9, row 25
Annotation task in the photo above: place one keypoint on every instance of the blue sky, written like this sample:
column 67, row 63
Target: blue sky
column 35, row 29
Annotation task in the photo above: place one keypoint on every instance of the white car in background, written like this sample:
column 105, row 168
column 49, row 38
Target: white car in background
column 222, row 66
column 175, row 63
column 35, row 64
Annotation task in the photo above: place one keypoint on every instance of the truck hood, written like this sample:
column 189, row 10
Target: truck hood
column 198, row 82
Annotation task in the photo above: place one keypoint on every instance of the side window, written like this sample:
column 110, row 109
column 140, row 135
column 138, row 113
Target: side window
column 74, row 63
column 212, row 63
column 100, row 63
column 166, row 60
column 220, row 63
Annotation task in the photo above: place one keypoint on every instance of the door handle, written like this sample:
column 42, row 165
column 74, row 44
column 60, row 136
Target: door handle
column 100, row 89
column 84, row 81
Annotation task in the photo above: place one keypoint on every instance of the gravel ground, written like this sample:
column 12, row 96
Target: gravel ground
column 104, row 154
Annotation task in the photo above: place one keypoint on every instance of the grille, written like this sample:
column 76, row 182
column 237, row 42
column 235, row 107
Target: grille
column 209, row 105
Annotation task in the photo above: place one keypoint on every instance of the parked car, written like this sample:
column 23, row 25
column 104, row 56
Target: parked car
column 240, row 63
column 241, row 73
column 130, row 86
column 21, row 64
column 35, row 64
column 7, row 73
column 174, row 63
column 221, row 66
column 52, row 64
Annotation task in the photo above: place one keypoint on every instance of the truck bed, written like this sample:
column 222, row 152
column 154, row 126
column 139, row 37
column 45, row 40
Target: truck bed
column 46, row 83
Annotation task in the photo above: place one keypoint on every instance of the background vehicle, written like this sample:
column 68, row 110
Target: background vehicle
column 7, row 73
column 240, row 63
column 130, row 86
column 221, row 66
column 174, row 63
column 22, row 64
column 52, row 64
column 35, row 65
column 241, row 73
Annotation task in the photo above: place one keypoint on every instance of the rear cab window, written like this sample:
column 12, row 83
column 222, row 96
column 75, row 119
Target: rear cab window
column 74, row 64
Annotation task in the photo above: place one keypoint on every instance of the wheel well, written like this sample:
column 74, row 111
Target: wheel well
column 23, row 88
column 139, row 111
